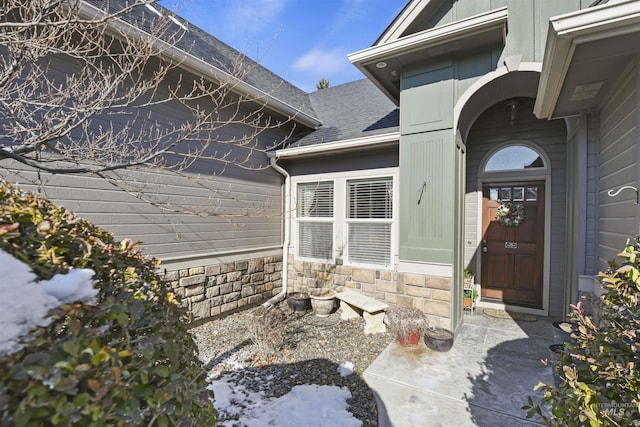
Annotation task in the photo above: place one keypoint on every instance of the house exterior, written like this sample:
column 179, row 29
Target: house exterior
column 531, row 106
column 394, row 184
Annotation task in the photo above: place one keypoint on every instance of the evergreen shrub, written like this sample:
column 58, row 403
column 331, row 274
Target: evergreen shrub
column 127, row 360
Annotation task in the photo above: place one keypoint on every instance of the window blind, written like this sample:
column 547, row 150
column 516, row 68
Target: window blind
column 369, row 218
column 315, row 225
column 370, row 243
column 370, row 198
column 315, row 240
column 315, row 199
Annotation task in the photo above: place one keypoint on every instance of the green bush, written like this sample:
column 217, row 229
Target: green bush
column 128, row 360
column 600, row 381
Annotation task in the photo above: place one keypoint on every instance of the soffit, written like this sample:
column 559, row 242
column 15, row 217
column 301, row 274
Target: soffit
column 467, row 34
column 585, row 53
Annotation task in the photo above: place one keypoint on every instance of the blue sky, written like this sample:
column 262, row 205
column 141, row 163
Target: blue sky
column 300, row 40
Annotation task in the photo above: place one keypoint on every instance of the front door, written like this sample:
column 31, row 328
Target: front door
column 513, row 243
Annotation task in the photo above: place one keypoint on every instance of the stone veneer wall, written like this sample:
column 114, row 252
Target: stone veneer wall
column 212, row 290
column 428, row 293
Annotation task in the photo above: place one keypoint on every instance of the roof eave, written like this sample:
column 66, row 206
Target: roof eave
column 198, row 66
column 332, row 147
column 568, row 31
column 427, row 39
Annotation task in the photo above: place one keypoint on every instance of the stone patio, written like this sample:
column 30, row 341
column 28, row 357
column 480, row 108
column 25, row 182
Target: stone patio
column 483, row 380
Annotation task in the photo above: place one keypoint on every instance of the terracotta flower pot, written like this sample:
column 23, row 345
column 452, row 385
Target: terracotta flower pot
column 468, row 302
column 408, row 340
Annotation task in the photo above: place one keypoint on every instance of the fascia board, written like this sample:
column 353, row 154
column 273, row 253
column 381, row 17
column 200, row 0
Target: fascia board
column 568, row 31
column 395, row 99
column 198, row 66
column 402, row 21
column 432, row 37
column 348, row 144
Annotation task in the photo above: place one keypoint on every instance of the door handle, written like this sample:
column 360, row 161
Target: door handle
column 484, row 245
column 484, row 249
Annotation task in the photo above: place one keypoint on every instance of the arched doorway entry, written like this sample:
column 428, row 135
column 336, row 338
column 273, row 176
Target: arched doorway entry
column 514, row 179
column 515, row 205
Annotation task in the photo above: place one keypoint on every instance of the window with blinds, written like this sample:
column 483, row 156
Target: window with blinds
column 369, row 220
column 314, row 211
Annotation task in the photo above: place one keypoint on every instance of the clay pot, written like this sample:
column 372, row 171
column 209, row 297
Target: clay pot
column 299, row 301
column 323, row 301
column 408, row 340
column 438, row 339
column 468, row 302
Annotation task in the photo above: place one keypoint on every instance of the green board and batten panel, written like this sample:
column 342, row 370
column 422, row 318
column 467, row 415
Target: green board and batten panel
column 427, row 159
column 426, row 101
column 426, row 232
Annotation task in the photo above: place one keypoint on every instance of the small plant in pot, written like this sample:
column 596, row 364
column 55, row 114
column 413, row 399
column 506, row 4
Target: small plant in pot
column 470, row 292
column 408, row 324
column 468, row 277
column 470, row 295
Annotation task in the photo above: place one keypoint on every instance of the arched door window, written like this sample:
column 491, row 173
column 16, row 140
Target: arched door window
column 514, row 158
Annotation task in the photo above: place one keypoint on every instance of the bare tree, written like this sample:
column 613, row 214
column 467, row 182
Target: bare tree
column 101, row 87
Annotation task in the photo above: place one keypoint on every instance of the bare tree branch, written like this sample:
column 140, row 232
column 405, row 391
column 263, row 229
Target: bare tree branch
column 86, row 90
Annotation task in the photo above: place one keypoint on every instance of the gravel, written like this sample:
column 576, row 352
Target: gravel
column 311, row 353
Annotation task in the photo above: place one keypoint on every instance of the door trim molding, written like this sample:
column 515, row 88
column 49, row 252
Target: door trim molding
column 543, row 175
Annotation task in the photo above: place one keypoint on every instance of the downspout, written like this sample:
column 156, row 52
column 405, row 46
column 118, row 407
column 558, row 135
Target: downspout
column 287, row 225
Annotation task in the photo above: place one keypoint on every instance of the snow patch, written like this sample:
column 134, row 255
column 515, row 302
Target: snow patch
column 304, row 405
column 345, row 369
column 24, row 303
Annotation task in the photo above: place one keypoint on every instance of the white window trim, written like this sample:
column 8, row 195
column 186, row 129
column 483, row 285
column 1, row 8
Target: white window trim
column 315, row 220
column 340, row 220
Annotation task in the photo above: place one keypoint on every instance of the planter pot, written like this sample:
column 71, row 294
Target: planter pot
column 299, row 301
column 555, row 354
column 468, row 302
column 438, row 339
column 323, row 301
column 410, row 339
column 560, row 335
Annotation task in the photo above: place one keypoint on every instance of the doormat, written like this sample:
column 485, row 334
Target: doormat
column 502, row 314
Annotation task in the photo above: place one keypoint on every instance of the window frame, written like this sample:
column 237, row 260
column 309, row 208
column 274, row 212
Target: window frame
column 340, row 215
column 315, row 220
column 349, row 221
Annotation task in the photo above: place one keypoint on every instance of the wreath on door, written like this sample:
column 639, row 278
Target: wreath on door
column 511, row 214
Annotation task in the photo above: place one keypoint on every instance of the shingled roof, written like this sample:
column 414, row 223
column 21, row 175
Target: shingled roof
column 351, row 110
column 206, row 47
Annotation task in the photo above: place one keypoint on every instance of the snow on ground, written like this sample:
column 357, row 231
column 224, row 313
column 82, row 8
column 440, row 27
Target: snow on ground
column 345, row 369
column 24, row 303
column 308, row 405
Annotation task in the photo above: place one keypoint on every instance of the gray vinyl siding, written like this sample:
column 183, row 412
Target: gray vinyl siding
column 246, row 213
column 491, row 129
column 618, row 166
column 239, row 210
column 374, row 158
column 591, row 235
